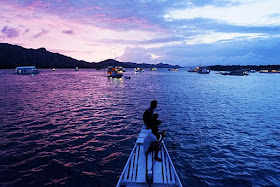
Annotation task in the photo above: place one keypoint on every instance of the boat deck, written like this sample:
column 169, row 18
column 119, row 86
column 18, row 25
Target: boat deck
column 139, row 166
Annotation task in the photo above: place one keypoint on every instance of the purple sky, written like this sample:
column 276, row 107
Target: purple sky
column 187, row 33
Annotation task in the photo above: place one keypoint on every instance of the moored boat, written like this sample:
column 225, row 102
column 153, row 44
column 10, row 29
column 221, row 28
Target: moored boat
column 236, row 73
column 173, row 69
column 26, row 70
column 114, row 72
column 270, row 71
column 194, row 69
column 203, row 70
column 76, row 69
column 139, row 70
column 142, row 170
column 153, row 69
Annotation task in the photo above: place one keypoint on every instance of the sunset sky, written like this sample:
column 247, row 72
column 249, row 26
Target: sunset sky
column 183, row 32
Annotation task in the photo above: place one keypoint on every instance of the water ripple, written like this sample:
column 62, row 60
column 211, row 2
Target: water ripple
column 78, row 128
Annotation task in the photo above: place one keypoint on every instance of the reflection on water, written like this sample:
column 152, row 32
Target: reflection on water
column 78, row 128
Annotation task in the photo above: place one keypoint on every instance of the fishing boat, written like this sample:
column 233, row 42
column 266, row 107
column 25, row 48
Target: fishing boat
column 26, row 70
column 114, row 72
column 269, row 71
column 203, row 70
column 173, row 69
column 194, row 69
column 142, row 170
column 236, row 73
column 153, row 69
column 138, row 70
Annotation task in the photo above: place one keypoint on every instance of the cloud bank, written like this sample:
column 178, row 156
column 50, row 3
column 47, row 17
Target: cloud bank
column 186, row 33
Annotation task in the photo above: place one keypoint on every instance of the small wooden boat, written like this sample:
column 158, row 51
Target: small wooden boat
column 143, row 170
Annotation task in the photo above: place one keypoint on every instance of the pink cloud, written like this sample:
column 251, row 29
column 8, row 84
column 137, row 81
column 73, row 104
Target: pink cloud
column 10, row 32
column 43, row 32
column 64, row 51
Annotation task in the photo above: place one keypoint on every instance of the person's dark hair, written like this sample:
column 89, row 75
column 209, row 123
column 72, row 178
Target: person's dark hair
column 153, row 103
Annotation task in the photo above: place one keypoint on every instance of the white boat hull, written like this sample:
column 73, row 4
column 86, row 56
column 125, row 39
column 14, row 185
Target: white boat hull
column 142, row 170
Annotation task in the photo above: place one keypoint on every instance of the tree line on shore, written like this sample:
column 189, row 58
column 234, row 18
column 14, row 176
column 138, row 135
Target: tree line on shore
column 244, row 67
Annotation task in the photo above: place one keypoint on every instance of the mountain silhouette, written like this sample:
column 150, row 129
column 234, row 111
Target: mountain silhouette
column 12, row 56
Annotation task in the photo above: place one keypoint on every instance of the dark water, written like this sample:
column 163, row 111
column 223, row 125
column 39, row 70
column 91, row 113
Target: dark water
column 78, row 128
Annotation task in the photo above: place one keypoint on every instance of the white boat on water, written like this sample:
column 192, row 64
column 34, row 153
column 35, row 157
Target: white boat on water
column 139, row 70
column 114, row 72
column 153, row 69
column 26, row 70
column 142, row 170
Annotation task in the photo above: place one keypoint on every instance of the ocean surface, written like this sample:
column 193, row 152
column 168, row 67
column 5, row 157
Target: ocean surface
column 78, row 128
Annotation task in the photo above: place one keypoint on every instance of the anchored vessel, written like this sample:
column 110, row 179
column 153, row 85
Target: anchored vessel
column 142, row 170
column 203, row 70
column 115, row 71
column 236, row 73
column 173, row 69
column 26, row 70
column 153, row 69
column 139, row 70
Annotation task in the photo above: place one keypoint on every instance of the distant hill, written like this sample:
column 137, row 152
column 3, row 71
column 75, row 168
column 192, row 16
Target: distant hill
column 12, row 56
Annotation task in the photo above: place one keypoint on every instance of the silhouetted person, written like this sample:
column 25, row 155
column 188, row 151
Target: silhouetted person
column 154, row 127
column 150, row 144
column 148, row 114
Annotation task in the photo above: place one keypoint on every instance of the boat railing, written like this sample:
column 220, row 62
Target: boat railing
column 126, row 165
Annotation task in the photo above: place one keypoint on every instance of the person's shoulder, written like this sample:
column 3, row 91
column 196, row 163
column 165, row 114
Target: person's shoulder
column 148, row 110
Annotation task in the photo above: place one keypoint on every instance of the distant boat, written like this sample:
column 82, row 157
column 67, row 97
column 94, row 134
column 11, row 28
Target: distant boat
column 203, row 70
column 153, row 69
column 114, row 71
column 194, row 70
column 270, row 71
column 26, row 70
column 76, row 69
column 127, row 77
column 139, row 70
column 173, row 69
column 53, row 69
column 251, row 71
column 236, row 73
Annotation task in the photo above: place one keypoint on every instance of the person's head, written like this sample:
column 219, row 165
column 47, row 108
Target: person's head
column 153, row 104
column 155, row 116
